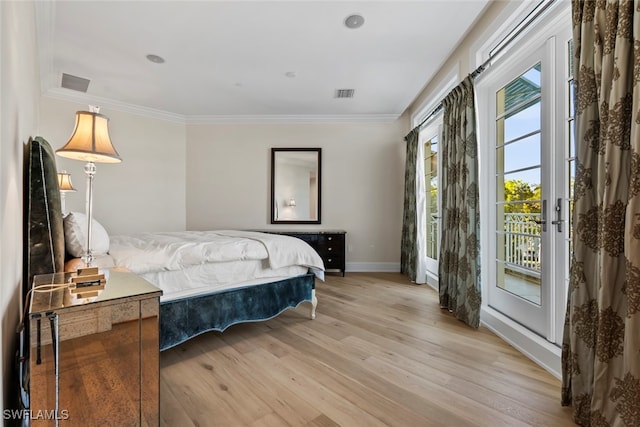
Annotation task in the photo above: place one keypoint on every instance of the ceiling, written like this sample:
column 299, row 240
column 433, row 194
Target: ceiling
column 249, row 59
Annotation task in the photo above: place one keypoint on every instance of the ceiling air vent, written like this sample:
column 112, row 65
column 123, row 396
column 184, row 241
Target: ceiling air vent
column 74, row 83
column 344, row 93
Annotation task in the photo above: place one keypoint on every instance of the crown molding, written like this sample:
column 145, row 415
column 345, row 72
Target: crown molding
column 83, row 98
column 106, row 103
column 290, row 119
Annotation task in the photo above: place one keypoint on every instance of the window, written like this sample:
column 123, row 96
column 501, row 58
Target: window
column 518, row 184
column 429, row 204
column 431, row 196
column 570, row 149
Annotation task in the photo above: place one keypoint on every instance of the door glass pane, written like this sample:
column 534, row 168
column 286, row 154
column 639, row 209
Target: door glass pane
column 518, row 186
column 431, row 180
column 521, row 154
column 571, row 160
column 522, row 121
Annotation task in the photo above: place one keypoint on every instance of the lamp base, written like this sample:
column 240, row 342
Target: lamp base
column 87, row 279
column 90, row 171
column 87, row 259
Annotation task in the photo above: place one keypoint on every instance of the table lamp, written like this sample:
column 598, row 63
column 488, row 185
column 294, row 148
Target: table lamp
column 64, row 186
column 90, row 142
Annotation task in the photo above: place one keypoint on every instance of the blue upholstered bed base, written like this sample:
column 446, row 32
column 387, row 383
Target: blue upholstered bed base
column 185, row 318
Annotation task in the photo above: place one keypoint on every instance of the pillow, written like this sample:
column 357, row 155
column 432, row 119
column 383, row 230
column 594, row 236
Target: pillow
column 75, row 235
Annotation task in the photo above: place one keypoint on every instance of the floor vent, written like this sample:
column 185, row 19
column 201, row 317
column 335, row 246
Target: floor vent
column 74, row 83
column 344, row 93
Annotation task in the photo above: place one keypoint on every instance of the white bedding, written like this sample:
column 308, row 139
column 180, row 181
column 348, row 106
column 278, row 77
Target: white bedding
column 214, row 277
column 191, row 262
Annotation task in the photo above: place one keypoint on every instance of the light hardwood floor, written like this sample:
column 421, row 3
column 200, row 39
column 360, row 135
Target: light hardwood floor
column 380, row 353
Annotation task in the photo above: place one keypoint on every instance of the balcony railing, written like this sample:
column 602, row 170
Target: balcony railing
column 521, row 241
column 432, row 236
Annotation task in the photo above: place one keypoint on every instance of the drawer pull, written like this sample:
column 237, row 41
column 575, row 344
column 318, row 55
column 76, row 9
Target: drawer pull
column 330, row 249
column 329, row 260
column 330, row 238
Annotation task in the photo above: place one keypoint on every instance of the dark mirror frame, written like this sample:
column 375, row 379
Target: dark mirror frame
column 274, row 215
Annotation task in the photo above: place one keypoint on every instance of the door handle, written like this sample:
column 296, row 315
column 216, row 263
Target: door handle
column 543, row 221
column 558, row 222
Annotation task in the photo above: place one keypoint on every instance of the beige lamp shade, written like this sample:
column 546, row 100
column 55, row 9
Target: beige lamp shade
column 90, row 141
column 64, row 182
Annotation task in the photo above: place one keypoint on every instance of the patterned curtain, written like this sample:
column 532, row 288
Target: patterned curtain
column 408, row 244
column 459, row 261
column 601, row 346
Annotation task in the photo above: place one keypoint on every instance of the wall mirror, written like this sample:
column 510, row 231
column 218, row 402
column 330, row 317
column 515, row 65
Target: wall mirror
column 295, row 185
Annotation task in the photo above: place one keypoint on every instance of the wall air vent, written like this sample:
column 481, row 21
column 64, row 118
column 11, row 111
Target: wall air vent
column 74, row 83
column 344, row 93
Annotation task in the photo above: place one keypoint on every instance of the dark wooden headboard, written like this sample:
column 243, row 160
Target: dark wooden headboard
column 43, row 232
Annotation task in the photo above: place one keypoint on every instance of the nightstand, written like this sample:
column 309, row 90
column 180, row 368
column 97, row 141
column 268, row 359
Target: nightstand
column 97, row 360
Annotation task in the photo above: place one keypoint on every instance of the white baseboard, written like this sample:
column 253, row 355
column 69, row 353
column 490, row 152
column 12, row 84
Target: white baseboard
column 536, row 348
column 432, row 281
column 373, row 267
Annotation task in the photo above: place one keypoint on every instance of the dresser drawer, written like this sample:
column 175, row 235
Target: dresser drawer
column 330, row 240
column 311, row 239
column 329, row 245
column 331, row 249
column 333, row 262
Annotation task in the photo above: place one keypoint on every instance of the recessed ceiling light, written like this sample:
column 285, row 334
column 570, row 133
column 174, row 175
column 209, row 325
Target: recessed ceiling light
column 155, row 59
column 354, row 21
column 290, row 74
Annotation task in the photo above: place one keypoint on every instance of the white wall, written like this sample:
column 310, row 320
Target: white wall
column 19, row 92
column 228, row 181
column 146, row 192
column 175, row 177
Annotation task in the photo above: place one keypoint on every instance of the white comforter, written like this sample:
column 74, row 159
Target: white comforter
column 171, row 251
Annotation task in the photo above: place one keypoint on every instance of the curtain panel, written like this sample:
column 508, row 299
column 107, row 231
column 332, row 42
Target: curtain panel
column 409, row 242
column 601, row 343
column 459, row 260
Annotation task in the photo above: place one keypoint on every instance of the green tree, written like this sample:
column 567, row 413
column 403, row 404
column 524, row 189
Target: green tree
column 517, row 190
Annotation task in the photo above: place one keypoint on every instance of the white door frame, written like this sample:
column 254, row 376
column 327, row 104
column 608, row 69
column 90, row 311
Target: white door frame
column 433, row 129
column 536, row 347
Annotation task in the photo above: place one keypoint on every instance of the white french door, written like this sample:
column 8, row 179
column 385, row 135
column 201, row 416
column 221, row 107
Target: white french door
column 430, row 142
column 525, row 169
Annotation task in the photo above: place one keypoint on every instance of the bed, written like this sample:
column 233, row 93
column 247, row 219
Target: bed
column 210, row 279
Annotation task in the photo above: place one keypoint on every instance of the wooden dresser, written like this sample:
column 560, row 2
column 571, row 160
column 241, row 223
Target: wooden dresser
column 95, row 361
column 330, row 245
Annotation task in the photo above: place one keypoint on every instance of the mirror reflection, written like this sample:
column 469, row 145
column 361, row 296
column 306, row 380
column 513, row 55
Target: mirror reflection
column 295, row 185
